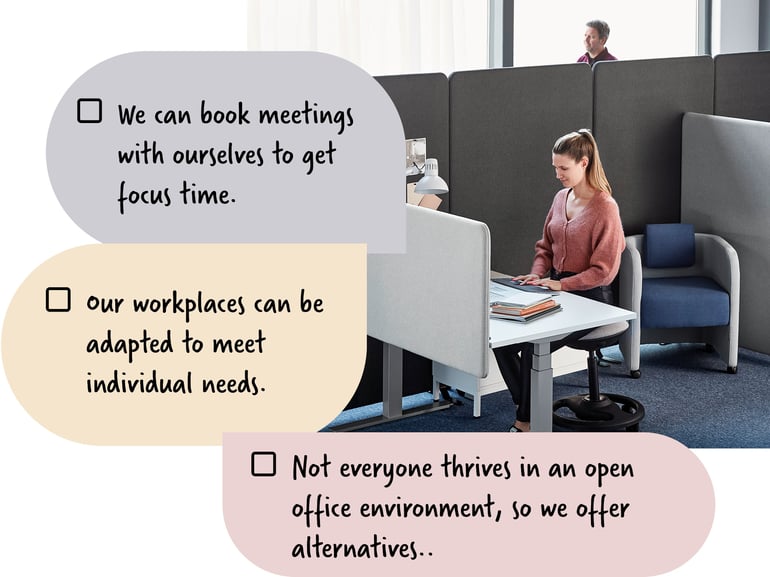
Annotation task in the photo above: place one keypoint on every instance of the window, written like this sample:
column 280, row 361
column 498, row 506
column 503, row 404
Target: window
column 552, row 32
column 385, row 37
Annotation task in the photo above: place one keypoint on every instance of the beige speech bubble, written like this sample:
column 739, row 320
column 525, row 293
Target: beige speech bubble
column 175, row 344
column 599, row 504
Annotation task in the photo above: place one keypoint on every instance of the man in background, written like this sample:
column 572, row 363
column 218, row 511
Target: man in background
column 595, row 37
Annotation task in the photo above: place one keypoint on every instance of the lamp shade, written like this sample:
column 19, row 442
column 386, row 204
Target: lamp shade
column 431, row 183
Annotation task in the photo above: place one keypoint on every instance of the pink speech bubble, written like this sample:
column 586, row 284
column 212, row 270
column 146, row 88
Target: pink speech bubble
column 414, row 504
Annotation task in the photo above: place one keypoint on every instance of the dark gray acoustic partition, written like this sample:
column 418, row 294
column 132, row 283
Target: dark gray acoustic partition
column 638, row 109
column 726, row 191
column 742, row 85
column 503, row 123
column 422, row 101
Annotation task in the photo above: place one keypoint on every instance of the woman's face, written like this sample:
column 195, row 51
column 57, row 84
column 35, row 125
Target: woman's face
column 569, row 172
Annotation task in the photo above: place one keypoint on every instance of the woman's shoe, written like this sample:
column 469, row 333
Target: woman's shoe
column 519, row 427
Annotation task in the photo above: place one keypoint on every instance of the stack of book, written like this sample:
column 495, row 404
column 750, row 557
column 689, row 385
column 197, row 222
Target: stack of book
column 524, row 311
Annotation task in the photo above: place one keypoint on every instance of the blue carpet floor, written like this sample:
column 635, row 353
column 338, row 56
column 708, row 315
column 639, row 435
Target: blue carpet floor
column 686, row 392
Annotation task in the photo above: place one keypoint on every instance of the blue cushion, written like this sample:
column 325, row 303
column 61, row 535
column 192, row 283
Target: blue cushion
column 669, row 245
column 683, row 302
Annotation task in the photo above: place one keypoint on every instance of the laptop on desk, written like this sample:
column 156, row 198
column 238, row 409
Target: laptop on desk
column 509, row 282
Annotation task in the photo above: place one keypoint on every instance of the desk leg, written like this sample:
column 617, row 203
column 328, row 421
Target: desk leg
column 392, row 380
column 392, row 393
column 542, row 389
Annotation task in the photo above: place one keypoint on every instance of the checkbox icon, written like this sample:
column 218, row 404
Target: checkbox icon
column 58, row 299
column 263, row 464
column 89, row 110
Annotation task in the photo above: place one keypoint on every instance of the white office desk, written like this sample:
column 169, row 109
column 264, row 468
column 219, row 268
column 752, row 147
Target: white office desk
column 577, row 313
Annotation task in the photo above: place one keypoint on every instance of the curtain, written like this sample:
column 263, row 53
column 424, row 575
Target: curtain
column 380, row 36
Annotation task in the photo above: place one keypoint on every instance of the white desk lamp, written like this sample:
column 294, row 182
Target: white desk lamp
column 431, row 183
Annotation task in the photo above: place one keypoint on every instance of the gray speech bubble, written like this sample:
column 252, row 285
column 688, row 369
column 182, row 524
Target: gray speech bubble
column 280, row 147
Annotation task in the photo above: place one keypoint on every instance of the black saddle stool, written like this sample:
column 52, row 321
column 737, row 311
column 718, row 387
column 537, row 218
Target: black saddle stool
column 598, row 411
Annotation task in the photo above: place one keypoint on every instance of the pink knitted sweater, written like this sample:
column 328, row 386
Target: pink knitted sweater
column 590, row 244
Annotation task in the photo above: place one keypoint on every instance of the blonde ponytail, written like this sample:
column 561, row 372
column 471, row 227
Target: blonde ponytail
column 581, row 144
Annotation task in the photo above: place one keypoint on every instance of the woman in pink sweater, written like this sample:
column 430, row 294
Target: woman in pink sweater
column 579, row 252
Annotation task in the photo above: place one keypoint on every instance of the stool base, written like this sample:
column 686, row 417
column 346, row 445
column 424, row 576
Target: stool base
column 610, row 412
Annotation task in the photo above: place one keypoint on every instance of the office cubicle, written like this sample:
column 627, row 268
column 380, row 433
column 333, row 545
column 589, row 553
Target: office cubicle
column 502, row 122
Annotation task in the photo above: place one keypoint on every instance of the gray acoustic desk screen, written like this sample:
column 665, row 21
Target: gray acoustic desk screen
column 434, row 299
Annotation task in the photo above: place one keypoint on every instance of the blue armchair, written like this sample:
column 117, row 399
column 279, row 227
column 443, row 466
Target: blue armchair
column 684, row 287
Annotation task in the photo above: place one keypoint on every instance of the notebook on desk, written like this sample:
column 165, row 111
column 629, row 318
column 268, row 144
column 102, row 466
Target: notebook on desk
column 526, row 318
